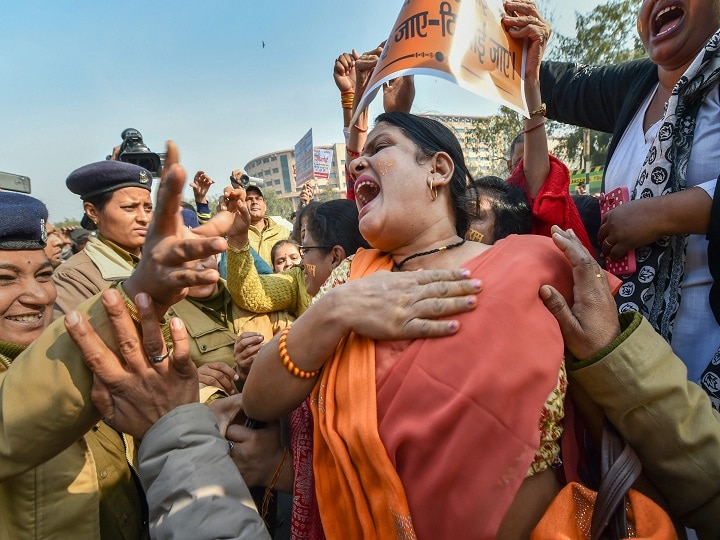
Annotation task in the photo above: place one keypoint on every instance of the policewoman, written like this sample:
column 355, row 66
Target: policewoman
column 117, row 204
column 59, row 476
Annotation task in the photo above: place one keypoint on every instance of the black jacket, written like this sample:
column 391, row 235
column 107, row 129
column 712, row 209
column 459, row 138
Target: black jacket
column 605, row 98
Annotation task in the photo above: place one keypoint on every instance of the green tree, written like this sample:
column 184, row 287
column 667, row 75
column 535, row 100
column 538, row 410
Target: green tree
column 596, row 42
column 496, row 133
column 275, row 205
column 326, row 193
column 67, row 222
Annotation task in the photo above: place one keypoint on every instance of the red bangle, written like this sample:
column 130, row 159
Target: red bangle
column 528, row 130
column 289, row 364
column 352, row 153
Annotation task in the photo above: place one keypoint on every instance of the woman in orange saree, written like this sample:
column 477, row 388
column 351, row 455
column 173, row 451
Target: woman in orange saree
column 424, row 428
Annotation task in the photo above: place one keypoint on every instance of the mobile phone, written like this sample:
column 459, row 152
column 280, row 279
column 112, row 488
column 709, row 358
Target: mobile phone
column 626, row 264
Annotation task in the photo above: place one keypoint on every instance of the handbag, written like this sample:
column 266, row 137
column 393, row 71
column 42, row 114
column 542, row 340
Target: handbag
column 613, row 512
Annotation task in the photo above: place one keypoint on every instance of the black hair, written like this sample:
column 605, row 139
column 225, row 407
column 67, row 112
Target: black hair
column 297, row 223
column 98, row 201
column 589, row 210
column 513, row 214
column 519, row 138
column 432, row 137
column 187, row 206
column 335, row 223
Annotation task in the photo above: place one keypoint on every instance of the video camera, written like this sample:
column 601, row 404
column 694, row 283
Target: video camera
column 246, row 181
column 134, row 150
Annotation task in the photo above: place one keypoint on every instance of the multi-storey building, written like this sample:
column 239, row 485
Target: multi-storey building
column 277, row 169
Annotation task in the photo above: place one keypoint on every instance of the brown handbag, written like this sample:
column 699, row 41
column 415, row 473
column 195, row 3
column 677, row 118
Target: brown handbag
column 613, row 512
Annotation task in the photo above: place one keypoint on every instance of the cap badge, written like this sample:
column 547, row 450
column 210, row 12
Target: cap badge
column 143, row 178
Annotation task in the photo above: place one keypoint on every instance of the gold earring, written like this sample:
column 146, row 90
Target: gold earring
column 433, row 189
column 475, row 236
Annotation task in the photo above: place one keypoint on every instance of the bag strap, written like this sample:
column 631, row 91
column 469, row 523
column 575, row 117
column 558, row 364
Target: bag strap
column 620, row 467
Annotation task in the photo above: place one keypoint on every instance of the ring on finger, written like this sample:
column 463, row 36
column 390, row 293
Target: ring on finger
column 159, row 358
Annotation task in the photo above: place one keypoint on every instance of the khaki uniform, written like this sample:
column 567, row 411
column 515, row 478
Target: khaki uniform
column 62, row 474
column 263, row 241
column 90, row 272
column 213, row 341
column 642, row 387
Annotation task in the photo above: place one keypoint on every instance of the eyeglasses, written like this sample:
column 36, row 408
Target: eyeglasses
column 303, row 249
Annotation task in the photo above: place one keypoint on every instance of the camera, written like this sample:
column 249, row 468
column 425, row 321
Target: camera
column 134, row 150
column 246, row 180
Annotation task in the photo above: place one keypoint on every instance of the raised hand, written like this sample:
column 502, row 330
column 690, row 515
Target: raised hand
column 364, row 66
column 165, row 270
column 344, row 71
column 235, row 204
column 399, row 94
column 200, row 186
column 523, row 20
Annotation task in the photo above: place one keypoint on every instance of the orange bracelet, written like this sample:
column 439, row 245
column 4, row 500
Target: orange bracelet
column 289, row 364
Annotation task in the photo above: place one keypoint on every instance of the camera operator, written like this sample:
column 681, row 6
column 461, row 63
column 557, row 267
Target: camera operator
column 264, row 232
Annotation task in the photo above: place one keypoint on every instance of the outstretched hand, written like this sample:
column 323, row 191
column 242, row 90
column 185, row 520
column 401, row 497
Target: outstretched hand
column 592, row 322
column 134, row 392
column 200, row 186
column 165, row 270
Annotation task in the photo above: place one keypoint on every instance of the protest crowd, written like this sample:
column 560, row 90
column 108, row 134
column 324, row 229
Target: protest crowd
column 431, row 356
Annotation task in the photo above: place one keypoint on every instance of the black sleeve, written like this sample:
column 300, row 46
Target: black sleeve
column 591, row 96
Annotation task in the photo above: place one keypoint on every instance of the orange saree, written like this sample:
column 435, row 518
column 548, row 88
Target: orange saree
column 438, row 443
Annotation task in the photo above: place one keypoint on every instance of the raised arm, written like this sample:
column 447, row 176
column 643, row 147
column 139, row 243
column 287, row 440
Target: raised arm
column 260, row 293
column 526, row 22
column 51, row 369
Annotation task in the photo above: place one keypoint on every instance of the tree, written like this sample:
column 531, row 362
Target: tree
column 275, row 205
column 326, row 193
column 596, row 42
column 67, row 222
column 496, row 133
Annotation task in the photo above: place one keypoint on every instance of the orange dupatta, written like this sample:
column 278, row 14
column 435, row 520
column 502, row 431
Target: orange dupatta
column 353, row 473
column 458, row 415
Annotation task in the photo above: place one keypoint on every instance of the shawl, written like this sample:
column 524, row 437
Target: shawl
column 654, row 289
column 439, row 445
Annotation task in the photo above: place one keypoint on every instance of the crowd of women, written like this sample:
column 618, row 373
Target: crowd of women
column 414, row 375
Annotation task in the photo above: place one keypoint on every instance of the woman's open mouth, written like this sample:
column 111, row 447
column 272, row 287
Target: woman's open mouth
column 666, row 19
column 366, row 189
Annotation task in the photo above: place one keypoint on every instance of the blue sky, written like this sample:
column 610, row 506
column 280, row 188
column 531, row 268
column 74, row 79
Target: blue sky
column 75, row 74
